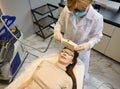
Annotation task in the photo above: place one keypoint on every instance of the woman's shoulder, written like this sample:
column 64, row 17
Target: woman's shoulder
column 66, row 10
column 96, row 14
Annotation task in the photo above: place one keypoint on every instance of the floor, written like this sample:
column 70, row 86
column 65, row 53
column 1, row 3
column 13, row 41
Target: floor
column 104, row 73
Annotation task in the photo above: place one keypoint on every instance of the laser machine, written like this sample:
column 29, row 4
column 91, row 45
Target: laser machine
column 12, row 55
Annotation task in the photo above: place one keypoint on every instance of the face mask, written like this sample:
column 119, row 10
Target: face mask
column 80, row 13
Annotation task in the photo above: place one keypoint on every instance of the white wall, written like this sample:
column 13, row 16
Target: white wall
column 21, row 9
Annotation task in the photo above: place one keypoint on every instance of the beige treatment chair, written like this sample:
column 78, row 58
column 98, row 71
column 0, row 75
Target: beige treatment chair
column 25, row 75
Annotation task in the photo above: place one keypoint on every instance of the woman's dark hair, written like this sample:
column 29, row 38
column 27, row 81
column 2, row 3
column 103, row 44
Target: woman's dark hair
column 69, row 70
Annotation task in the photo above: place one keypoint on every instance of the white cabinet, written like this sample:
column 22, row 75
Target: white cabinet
column 109, row 44
column 102, row 45
column 113, row 48
column 108, row 29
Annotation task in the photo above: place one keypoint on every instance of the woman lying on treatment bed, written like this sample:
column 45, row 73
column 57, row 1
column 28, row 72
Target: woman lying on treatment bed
column 48, row 75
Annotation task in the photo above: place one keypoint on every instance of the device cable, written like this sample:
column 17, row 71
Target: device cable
column 23, row 42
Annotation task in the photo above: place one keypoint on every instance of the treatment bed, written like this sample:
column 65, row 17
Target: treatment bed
column 29, row 70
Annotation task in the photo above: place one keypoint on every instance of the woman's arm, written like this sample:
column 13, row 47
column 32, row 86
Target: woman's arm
column 61, row 20
column 96, row 33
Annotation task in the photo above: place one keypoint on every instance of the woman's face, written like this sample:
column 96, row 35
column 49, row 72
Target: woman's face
column 66, row 56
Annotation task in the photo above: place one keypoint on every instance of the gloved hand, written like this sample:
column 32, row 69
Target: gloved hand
column 83, row 47
column 57, row 35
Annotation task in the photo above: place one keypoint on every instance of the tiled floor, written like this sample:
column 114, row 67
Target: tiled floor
column 104, row 73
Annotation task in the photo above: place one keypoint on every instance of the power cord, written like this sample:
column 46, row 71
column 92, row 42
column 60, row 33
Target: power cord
column 24, row 43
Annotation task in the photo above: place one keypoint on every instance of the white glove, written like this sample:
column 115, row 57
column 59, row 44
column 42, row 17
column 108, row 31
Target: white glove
column 57, row 35
column 83, row 47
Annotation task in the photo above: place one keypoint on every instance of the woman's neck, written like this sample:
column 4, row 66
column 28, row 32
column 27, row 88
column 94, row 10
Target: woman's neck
column 61, row 66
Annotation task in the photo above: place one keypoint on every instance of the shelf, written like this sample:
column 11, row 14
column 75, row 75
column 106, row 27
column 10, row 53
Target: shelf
column 45, row 22
column 44, row 18
column 42, row 10
column 47, row 33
